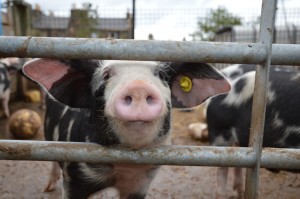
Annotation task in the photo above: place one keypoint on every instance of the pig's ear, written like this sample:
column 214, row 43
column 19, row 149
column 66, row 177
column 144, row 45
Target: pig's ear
column 62, row 80
column 193, row 83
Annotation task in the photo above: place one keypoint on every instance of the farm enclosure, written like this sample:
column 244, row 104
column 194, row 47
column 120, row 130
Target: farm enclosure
column 235, row 53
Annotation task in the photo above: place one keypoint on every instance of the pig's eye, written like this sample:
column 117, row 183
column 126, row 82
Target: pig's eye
column 106, row 74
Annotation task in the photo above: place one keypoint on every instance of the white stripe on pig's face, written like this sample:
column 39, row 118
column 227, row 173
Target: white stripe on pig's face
column 137, row 101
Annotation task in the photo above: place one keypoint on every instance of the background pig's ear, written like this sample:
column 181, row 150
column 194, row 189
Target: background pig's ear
column 62, row 79
column 193, row 83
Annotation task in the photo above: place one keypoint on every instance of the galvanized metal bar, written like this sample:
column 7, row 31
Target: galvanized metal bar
column 88, row 152
column 211, row 52
column 260, row 97
column 1, row 29
column 71, row 48
column 161, row 155
column 280, row 158
column 285, row 54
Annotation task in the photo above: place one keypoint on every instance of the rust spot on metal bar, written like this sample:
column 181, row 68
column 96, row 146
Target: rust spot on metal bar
column 291, row 154
column 21, row 150
column 270, row 30
column 79, row 146
column 22, row 51
column 208, row 59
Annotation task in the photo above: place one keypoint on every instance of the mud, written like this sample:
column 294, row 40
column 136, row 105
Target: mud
column 27, row 179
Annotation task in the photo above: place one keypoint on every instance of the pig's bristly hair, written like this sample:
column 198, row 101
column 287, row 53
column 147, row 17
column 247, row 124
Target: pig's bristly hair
column 165, row 67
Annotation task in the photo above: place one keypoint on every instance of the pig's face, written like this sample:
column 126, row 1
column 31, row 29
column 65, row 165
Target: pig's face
column 137, row 100
column 134, row 97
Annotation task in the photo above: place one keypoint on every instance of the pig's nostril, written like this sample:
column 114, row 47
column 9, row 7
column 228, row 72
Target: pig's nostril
column 149, row 99
column 128, row 100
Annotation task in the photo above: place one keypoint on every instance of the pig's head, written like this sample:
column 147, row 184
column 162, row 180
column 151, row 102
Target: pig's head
column 135, row 97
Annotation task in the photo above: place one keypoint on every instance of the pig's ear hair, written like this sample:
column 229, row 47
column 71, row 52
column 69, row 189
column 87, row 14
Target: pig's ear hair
column 67, row 81
column 192, row 83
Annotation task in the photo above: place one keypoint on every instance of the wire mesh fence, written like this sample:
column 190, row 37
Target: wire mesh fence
column 161, row 24
column 170, row 24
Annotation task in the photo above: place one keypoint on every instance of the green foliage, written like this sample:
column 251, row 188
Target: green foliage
column 216, row 18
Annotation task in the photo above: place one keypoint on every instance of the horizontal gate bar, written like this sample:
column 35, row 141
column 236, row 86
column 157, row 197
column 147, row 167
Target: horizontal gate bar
column 89, row 152
column 210, row 52
column 71, row 48
column 164, row 155
column 283, row 158
column 285, row 54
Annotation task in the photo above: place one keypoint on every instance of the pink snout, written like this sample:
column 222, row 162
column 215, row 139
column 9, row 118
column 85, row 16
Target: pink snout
column 138, row 101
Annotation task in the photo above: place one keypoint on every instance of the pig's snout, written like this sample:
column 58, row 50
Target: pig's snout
column 138, row 101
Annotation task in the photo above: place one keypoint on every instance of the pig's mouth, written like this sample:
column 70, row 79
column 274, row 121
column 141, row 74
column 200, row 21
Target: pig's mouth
column 134, row 126
column 138, row 124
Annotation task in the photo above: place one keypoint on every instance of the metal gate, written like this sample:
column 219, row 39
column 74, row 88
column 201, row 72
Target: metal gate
column 252, row 157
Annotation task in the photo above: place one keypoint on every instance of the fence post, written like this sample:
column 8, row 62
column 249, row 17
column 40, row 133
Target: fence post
column 133, row 19
column 1, row 31
column 21, row 12
column 260, row 96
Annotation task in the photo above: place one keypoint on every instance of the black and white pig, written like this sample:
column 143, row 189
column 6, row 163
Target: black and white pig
column 6, row 65
column 198, row 130
column 236, row 70
column 229, row 116
column 116, row 103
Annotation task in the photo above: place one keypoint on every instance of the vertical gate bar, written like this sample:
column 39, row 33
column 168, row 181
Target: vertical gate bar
column 260, row 96
column 1, row 32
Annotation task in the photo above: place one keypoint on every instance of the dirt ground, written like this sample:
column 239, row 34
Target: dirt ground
column 27, row 180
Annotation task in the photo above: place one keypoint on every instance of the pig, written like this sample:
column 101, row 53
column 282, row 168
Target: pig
column 236, row 70
column 6, row 65
column 199, row 130
column 116, row 103
column 229, row 116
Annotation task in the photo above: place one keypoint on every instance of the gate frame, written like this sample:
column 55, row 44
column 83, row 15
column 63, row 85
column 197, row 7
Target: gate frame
column 253, row 157
column 267, row 24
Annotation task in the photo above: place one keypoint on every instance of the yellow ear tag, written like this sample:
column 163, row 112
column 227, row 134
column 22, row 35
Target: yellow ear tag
column 186, row 84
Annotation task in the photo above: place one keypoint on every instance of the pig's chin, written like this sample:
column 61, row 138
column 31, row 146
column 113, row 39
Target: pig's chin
column 137, row 125
column 137, row 134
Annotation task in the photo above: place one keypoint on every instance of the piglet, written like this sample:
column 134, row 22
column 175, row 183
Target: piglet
column 116, row 103
column 229, row 116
